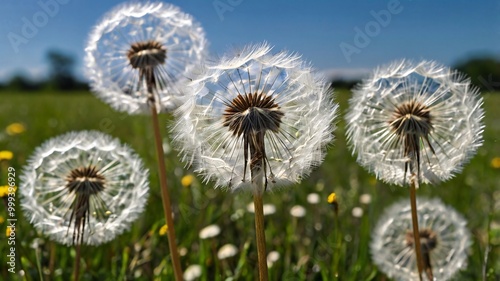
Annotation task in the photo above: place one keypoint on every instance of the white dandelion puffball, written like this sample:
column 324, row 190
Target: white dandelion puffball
column 83, row 187
column 419, row 118
column 255, row 102
column 138, row 43
column 444, row 240
column 268, row 209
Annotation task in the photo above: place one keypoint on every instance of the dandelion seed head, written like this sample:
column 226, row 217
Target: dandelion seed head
column 253, row 108
column 139, row 44
column 272, row 257
column 421, row 113
column 444, row 239
column 83, row 187
column 357, row 212
column 365, row 199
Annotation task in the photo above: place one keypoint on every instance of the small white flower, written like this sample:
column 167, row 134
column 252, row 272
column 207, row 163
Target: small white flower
column 192, row 272
column 227, row 251
column 272, row 257
column 365, row 199
column 256, row 109
column 313, row 198
column 209, row 231
column 444, row 240
column 298, row 211
column 415, row 118
column 269, row 209
column 83, row 187
column 136, row 44
column 357, row 212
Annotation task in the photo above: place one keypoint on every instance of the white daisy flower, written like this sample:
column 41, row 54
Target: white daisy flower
column 83, row 188
column 298, row 211
column 192, row 272
column 209, row 231
column 140, row 53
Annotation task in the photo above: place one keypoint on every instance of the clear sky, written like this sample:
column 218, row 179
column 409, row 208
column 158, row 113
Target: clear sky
column 343, row 37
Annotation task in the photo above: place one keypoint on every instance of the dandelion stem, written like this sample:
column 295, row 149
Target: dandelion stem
column 77, row 262
column 414, row 219
column 165, row 196
column 260, row 235
column 257, row 171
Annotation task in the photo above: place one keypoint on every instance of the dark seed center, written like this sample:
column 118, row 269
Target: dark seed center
column 252, row 113
column 411, row 118
column 146, row 54
column 85, row 180
column 428, row 240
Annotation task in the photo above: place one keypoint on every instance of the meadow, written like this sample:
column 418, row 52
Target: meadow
column 317, row 246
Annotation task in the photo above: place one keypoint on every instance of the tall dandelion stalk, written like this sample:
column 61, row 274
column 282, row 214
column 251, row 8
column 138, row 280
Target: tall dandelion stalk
column 256, row 121
column 413, row 123
column 138, row 58
column 83, row 188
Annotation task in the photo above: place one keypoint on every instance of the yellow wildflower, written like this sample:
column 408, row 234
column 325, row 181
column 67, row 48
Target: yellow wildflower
column 6, row 155
column 163, row 230
column 4, row 190
column 2, row 220
column 187, row 180
column 15, row 129
column 8, row 231
column 332, row 198
column 495, row 162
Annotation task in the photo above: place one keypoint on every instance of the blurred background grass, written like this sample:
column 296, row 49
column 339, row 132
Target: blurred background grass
column 308, row 246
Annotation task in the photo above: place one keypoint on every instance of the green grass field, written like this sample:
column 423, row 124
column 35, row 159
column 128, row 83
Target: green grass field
column 308, row 246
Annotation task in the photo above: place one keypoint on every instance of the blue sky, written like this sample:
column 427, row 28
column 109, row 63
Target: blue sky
column 338, row 37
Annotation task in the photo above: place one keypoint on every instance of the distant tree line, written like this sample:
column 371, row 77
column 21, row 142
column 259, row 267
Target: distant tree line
column 484, row 72
column 61, row 76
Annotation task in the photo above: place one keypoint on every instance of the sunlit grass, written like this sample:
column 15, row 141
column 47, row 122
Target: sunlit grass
column 307, row 245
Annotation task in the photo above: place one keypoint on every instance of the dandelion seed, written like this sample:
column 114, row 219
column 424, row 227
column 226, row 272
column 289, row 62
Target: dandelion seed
column 6, row 155
column 313, row 198
column 192, row 272
column 415, row 119
column 256, row 111
column 209, row 231
column 227, row 251
column 83, row 187
column 298, row 211
column 443, row 235
column 140, row 53
column 15, row 129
